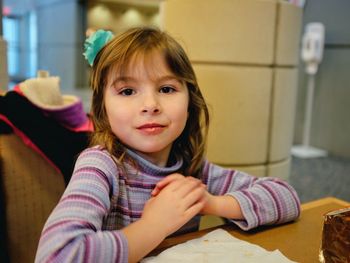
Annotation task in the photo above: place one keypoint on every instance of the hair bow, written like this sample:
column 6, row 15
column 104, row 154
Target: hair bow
column 94, row 43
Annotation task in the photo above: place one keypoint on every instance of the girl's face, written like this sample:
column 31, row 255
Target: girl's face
column 147, row 107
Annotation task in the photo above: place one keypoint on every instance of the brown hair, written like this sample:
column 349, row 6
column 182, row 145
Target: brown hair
column 116, row 54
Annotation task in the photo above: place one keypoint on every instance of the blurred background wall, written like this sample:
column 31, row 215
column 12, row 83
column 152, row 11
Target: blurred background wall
column 45, row 34
column 118, row 16
column 330, row 129
column 49, row 34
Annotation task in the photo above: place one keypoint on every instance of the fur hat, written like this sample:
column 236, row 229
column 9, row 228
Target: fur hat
column 44, row 92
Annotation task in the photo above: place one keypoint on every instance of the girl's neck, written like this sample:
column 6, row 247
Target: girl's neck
column 160, row 158
column 138, row 162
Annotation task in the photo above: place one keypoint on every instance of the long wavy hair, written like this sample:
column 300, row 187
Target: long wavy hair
column 114, row 57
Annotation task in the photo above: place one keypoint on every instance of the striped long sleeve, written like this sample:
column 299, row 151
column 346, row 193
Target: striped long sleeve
column 102, row 198
column 73, row 232
column 263, row 200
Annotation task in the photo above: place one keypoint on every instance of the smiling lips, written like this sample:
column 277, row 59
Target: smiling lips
column 151, row 128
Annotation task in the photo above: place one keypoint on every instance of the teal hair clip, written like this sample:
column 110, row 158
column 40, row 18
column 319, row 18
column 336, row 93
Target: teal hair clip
column 95, row 43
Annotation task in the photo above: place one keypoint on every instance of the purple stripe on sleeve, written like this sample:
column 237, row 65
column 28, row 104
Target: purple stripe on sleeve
column 53, row 256
column 53, row 226
column 228, row 182
column 81, row 224
column 119, row 248
column 126, row 211
column 254, row 204
column 79, row 197
column 95, row 171
column 276, row 199
column 87, row 248
column 293, row 193
column 137, row 184
column 205, row 173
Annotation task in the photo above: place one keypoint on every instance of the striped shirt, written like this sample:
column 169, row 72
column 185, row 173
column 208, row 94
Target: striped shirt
column 102, row 198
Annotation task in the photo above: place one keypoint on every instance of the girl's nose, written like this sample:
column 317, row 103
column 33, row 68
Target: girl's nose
column 150, row 110
column 151, row 104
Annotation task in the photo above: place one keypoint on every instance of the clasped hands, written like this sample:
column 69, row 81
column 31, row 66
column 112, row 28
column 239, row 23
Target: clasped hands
column 175, row 200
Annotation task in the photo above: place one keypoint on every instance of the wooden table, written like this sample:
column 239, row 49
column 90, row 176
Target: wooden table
column 299, row 241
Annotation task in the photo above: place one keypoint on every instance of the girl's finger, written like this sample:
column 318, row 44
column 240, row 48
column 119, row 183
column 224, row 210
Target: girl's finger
column 196, row 195
column 170, row 178
column 185, row 186
column 164, row 182
column 194, row 209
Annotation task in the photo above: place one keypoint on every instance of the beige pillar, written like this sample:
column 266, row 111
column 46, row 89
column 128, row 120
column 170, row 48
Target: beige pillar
column 245, row 55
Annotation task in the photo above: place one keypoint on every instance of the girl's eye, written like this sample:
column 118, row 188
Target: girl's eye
column 127, row 92
column 167, row 89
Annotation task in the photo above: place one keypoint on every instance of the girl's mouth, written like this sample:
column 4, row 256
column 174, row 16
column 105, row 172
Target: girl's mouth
column 151, row 128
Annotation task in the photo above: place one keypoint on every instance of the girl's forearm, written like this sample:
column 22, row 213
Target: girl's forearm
column 224, row 206
column 142, row 239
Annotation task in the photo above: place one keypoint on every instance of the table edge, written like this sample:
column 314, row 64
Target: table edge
column 323, row 201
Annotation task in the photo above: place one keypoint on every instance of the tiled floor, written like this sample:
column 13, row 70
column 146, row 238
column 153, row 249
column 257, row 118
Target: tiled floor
column 321, row 177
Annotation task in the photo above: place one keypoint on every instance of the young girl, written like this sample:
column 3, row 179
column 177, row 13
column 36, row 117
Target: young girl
column 145, row 176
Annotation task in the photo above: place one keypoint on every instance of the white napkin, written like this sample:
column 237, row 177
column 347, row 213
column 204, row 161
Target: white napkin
column 217, row 246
